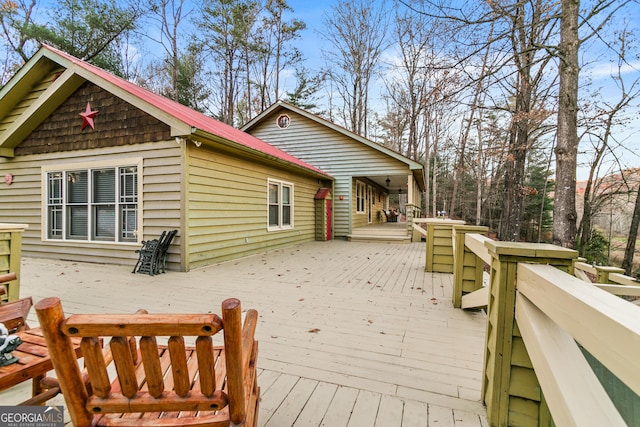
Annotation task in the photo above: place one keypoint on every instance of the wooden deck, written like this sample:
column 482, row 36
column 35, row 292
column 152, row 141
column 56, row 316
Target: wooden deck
column 351, row 334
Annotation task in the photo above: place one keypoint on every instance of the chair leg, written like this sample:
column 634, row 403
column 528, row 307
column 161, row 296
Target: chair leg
column 136, row 266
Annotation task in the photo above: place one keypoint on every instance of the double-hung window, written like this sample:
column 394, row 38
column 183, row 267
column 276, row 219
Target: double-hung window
column 360, row 197
column 280, row 205
column 93, row 204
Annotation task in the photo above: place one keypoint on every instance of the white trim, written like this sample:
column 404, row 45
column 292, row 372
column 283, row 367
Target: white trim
column 87, row 165
column 364, row 198
column 369, row 204
column 280, row 184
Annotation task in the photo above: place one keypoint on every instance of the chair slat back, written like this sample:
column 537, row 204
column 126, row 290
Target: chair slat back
column 151, row 378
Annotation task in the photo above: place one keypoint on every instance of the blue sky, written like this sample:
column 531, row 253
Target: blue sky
column 599, row 68
column 313, row 13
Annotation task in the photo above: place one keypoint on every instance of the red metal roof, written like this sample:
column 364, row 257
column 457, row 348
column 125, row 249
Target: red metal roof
column 191, row 117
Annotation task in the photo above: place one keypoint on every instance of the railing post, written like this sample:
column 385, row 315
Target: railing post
column 439, row 245
column 467, row 267
column 510, row 388
column 603, row 272
column 11, row 255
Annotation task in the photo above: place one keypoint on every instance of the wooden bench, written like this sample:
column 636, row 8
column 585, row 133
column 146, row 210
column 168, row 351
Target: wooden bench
column 159, row 385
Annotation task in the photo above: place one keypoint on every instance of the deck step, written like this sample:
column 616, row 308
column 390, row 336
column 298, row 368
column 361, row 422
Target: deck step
column 378, row 239
column 379, row 234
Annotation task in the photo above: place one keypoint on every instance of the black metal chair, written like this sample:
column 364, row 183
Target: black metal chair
column 147, row 256
column 163, row 247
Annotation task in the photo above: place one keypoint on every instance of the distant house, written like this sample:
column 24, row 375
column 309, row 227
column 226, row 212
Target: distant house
column 365, row 172
column 95, row 165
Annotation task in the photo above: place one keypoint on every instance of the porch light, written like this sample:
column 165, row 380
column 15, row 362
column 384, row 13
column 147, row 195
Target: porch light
column 399, row 190
column 388, row 181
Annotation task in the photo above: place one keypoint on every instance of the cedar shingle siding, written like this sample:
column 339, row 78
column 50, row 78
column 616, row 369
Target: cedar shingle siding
column 117, row 123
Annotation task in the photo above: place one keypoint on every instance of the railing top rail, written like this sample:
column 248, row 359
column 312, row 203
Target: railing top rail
column 632, row 291
column 571, row 388
column 476, row 242
column 530, row 250
column 613, row 322
column 419, row 229
column 622, row 279
column 443, row 221
column 585, row 267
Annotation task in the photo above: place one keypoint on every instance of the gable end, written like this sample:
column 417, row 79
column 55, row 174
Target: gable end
column 117, row 123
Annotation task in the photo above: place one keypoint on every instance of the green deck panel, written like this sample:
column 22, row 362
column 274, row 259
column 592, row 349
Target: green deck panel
column 511, row 390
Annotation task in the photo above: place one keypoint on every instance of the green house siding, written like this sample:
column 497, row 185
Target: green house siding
column 361, row 219
column 227, row 207
column 335, row 153
column 161, row 195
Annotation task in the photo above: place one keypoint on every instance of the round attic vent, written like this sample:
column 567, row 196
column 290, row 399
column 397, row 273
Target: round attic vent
column 283, row 121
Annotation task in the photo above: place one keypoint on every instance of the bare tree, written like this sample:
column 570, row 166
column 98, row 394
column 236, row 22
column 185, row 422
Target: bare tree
column 530, row 26
column 474, row 108
column 564, row 211
column 407, row 83
column 356, row 32
column 606, row 121
column 224, row 28
column 170, row 13
column 394, row 126
column 594, row 18
column 629, row 252
column 273, row 50
column 15, row 19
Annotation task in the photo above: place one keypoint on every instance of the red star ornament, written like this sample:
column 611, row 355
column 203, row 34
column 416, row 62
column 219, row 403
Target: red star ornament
column 87, row 117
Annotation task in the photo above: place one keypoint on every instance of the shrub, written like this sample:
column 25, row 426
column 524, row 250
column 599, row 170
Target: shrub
column 597, row 248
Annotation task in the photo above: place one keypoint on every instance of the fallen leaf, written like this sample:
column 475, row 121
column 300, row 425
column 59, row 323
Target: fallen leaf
column 314, row 330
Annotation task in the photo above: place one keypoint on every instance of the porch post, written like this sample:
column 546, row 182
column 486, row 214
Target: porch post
column 510, row 388
column 409, row 206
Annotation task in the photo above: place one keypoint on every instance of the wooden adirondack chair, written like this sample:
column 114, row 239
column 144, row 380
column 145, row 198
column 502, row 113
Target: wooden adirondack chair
column 156, row 385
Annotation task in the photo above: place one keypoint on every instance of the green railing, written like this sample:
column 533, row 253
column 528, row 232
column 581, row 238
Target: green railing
column 559, row 351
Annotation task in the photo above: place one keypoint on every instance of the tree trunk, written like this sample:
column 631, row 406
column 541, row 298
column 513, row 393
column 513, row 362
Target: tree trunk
column 627, row 262
column 587, row 216
column 511, row 218
column 564, row 208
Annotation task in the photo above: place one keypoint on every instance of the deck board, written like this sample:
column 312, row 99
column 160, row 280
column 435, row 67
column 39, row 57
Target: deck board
column 351, row 333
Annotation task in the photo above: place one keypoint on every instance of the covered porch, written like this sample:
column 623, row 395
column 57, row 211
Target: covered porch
column 351, row 334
